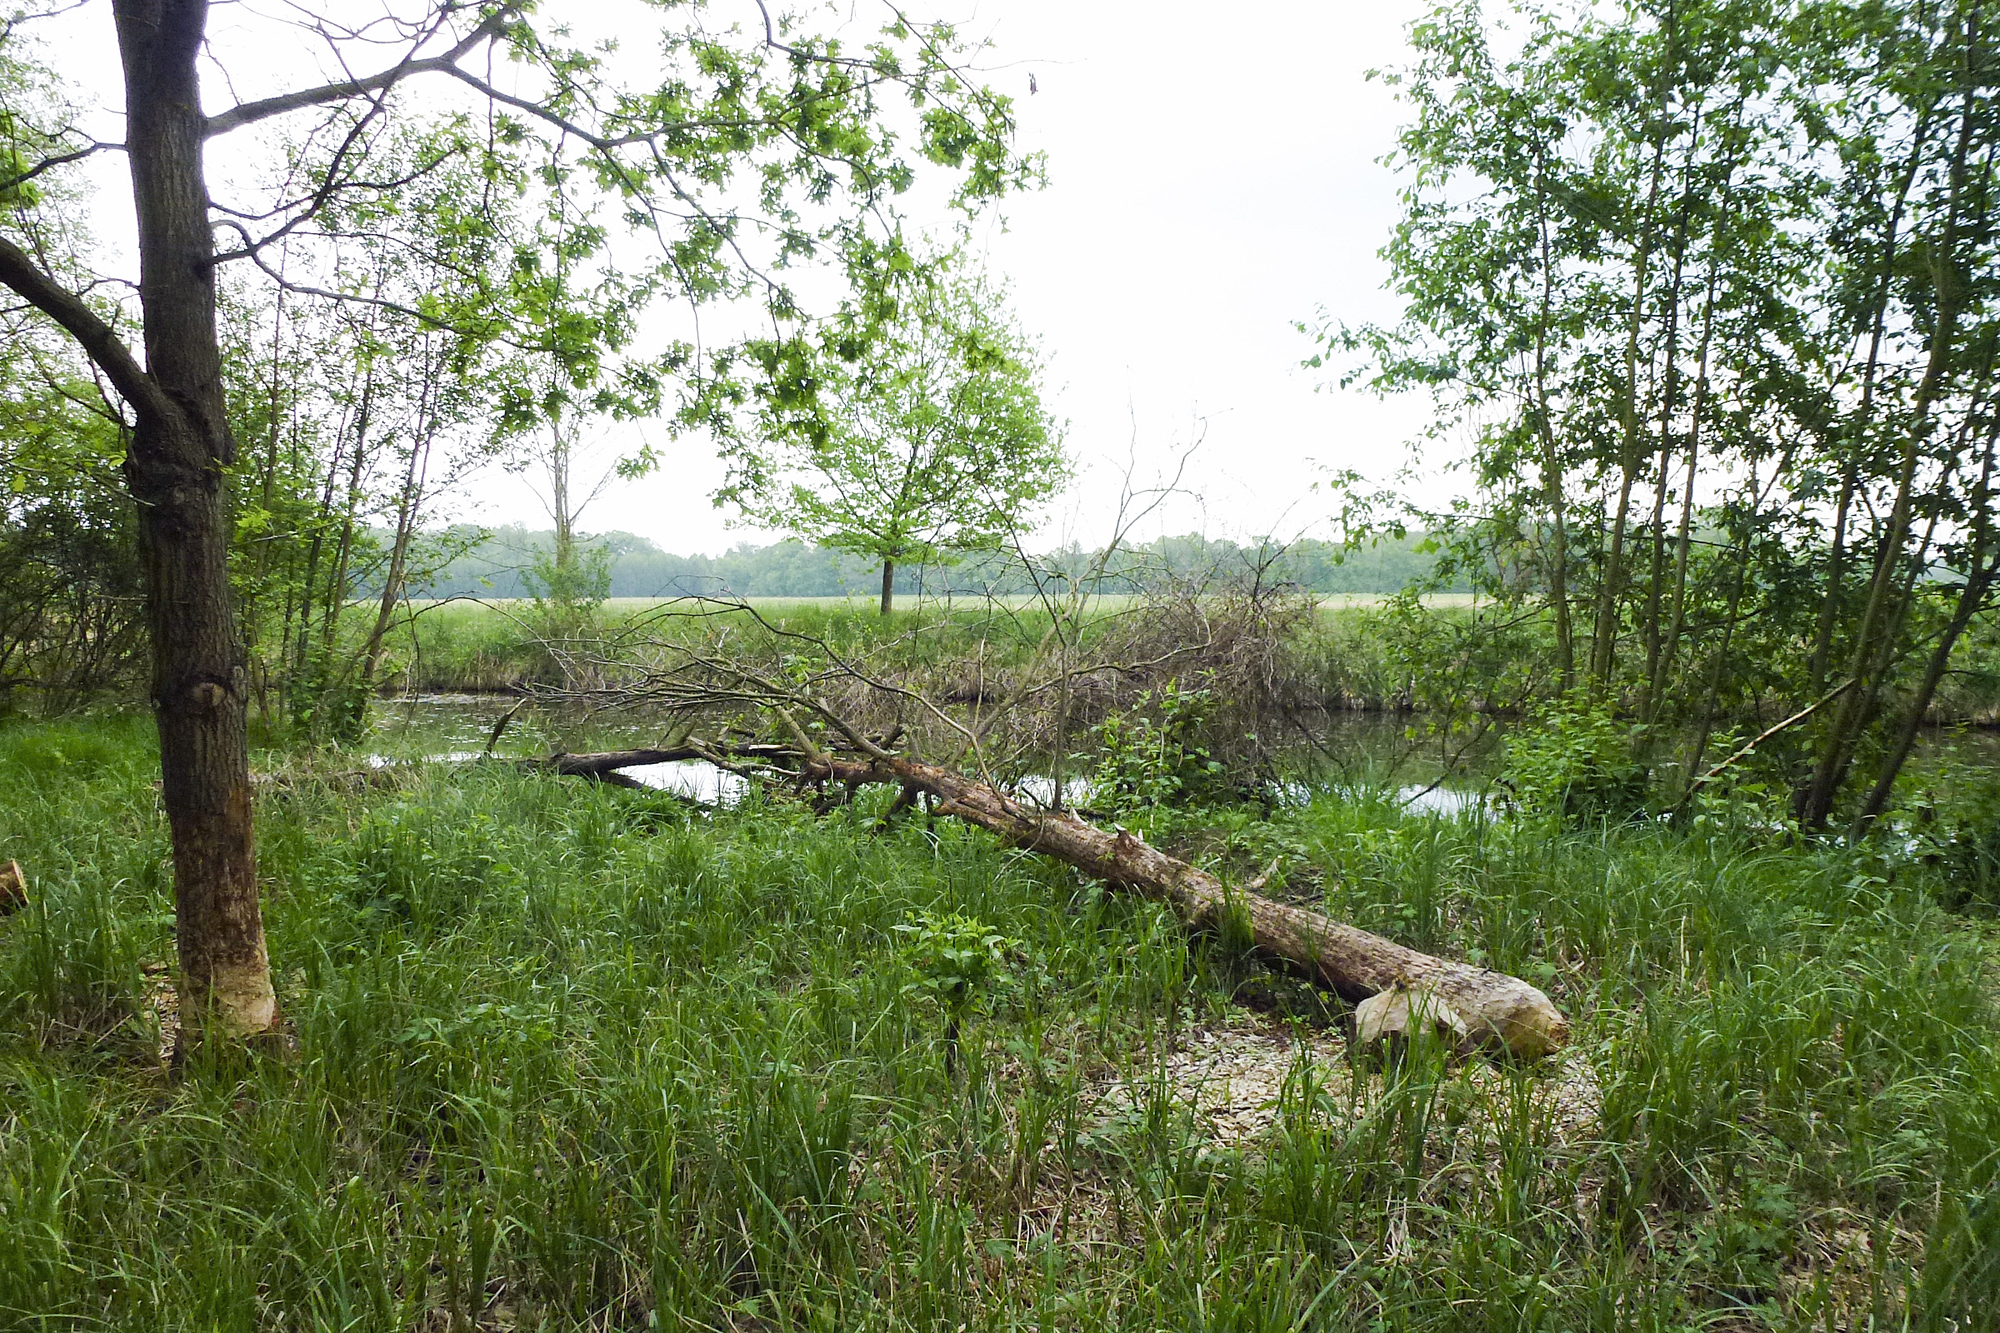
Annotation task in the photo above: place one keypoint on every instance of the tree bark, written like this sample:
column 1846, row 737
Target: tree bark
column 174, row 469
column 1502, row 1012
column 179, row 445
column 888, row 586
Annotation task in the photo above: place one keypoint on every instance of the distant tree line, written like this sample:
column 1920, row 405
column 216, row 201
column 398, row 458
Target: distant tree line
column 503, row 565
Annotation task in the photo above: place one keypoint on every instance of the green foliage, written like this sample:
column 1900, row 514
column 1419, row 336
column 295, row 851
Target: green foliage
column 454, row 278
column 70, row 626
column 418, row 867
column 1151, row 757
column 957, row 961
column 567, row 596
column 909, row 428
column 623, row 1061
column 1721, row 332
column 1577, row 761
column 1948, row 819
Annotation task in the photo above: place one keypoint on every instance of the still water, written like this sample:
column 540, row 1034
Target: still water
column 1360, row 747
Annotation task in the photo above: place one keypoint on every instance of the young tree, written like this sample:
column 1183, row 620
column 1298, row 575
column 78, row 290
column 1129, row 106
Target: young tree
column 759, row 143
column 1724, row 275
column 344, row 467
column 910, row 429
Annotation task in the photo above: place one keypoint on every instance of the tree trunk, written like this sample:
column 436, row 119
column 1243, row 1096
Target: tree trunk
column 1972, row 599
column 1552, row 470
column 1501, row 1011
column 1604, row 638
column 888, row 586
column 1874, row 647
column 408, row 508
column 174, row 468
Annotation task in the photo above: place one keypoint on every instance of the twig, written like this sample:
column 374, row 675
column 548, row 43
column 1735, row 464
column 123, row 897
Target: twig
column 501, row 726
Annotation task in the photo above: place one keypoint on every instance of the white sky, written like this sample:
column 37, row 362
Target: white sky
column 1213, row 179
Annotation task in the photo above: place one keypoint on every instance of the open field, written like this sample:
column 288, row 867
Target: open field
column 571, row 1057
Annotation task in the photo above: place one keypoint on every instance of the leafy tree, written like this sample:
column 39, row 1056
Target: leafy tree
column 908, row 429
column 757, row 145
column 343, row 467
column 1714, row 287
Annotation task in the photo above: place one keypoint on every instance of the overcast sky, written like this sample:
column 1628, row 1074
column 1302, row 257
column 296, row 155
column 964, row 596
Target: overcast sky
column 1213, row 181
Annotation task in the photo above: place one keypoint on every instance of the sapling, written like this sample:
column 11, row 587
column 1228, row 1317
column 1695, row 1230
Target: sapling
column 957, row 961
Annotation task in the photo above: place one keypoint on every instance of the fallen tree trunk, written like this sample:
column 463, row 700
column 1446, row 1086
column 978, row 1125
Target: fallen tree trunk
column 1499, row 1011
column 604, row 767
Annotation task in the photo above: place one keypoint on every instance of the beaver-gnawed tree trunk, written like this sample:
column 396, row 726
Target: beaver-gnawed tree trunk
column 174, row 468
column 1500, row 1012
column 179, row 445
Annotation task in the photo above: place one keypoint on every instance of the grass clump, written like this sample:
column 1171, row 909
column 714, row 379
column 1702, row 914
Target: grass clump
column 575, row 1057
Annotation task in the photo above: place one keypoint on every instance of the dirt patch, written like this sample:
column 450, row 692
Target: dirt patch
column 1231, row 1075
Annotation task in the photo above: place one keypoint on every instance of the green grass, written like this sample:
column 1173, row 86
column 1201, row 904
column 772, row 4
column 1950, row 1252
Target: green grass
column 575, row 1058
column 468, row 645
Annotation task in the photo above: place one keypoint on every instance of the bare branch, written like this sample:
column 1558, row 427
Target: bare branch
column 21, row 178
column 97, row 338
column 250, row 112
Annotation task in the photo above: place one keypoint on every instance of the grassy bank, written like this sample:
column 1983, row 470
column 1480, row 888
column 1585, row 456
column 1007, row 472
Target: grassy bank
column 572, row 1057
column 491, row 645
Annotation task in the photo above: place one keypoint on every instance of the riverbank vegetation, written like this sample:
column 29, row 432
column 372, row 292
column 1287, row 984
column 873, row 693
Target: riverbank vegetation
column 923, row 971
column 574, row 1056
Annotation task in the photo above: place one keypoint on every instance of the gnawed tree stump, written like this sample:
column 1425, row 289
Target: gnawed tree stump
column 1393, row 1018
column 1498, row 1012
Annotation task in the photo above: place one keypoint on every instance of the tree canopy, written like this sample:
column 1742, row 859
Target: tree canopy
column 908, row 429
column 1712, row 285
column 522, row 211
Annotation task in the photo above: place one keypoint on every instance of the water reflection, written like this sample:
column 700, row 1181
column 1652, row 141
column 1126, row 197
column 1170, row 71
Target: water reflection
column 696, row 779
column 456, row 727
column 1040, row 789
column 1448, row 802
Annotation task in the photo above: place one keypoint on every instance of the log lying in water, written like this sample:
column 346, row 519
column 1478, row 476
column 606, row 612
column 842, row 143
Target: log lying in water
column 1501, row 1012
column 604, row 767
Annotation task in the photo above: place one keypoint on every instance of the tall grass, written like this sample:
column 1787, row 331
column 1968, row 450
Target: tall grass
column 573, row 1057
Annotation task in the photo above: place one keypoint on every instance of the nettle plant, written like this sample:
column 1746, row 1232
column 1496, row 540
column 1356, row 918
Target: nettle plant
column 1149, row 757
column 1577, row 762
column 958, row 962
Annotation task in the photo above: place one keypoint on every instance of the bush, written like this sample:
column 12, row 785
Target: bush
column 1148, row 759
column 1575, row 761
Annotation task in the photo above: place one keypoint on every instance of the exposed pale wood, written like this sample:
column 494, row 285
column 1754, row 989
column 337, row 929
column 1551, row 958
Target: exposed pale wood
column 13, row 888
column 1499, row 1011
column 1396, row 1016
